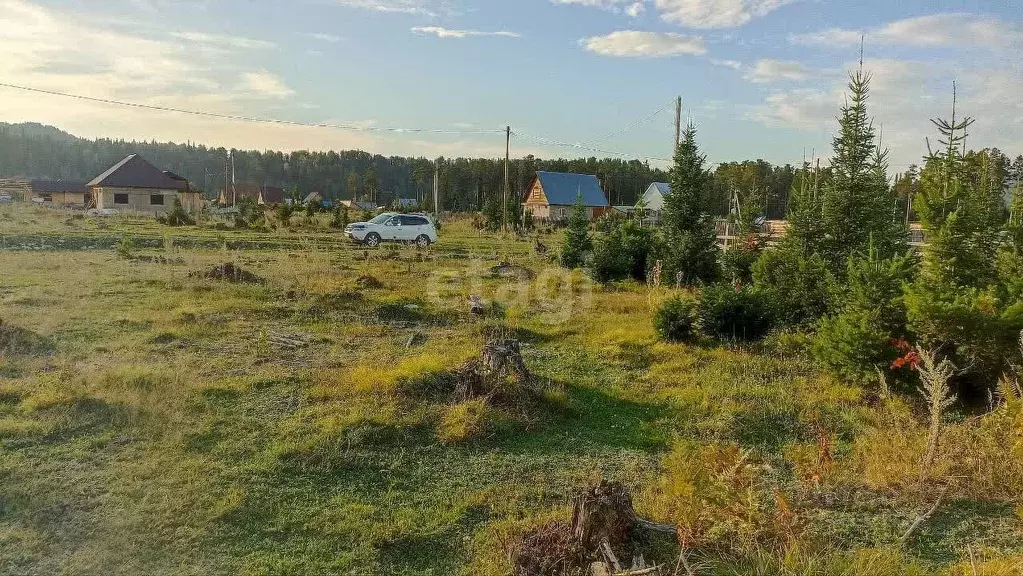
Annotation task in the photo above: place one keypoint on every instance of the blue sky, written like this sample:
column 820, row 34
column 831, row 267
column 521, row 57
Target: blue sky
column 760, row 78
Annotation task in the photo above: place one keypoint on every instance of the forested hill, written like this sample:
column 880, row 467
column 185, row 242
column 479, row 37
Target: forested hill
column 37, row 151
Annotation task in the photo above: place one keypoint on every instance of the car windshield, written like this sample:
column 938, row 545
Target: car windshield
column 380, row 219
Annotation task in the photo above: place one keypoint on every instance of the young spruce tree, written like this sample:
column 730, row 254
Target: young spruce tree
column 857, row 206
column 577, row 236
column 690, row 242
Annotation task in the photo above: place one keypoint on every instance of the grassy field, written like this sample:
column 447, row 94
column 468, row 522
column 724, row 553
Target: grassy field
column 153, row 421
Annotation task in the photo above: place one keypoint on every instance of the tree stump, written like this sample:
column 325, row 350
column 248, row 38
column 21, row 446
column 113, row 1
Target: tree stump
column 601, row 513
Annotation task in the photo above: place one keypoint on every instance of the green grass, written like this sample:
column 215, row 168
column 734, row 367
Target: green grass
column 155, row 428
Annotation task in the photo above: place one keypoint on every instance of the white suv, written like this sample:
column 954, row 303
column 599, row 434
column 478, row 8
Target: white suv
column 392, row 227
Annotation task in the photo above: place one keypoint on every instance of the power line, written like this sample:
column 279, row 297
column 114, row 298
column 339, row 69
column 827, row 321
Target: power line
column 558, row 143
column 632, row 125
column 349, row 127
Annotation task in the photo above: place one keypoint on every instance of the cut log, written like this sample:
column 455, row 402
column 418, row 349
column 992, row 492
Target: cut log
column 609, row 555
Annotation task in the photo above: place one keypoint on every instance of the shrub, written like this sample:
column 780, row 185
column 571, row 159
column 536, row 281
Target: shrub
column 284, row 212
column 340, row 218
column 737, row 262
column 622, row 252
column 675, row 320
column 799, row 287
column 730, row 313
column 177, row 216
column 860, row 339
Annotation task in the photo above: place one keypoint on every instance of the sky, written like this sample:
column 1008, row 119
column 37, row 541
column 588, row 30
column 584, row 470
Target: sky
column 758, row 78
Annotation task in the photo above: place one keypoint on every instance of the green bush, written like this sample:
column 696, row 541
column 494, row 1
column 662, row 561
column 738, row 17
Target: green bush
column 675, row 320
column 737, row 262
column 622, row 252
column 177, row 216
column 730, row 313
column 858, row 340
column 799, row 287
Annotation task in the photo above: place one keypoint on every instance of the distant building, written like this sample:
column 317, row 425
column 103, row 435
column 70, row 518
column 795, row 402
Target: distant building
column 60, row 192
column 359, row 205
column 550, row 195
column 653, row 201
column 263, row 195
column 313, row 197
column 135, row 184
column 405, row 204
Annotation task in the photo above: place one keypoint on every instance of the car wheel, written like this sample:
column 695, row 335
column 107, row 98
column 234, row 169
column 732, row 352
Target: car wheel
column 372, row 240
column 423, row 241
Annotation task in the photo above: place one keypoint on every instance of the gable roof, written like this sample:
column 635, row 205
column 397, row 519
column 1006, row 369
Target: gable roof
column 135, row 172
column 272, row 194
column 56, row 186
column 562, row 188
column 654, row 195
column 313, row 197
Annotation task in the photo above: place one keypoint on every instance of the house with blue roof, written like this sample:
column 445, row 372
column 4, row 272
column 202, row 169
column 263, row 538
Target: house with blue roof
column 550, row 195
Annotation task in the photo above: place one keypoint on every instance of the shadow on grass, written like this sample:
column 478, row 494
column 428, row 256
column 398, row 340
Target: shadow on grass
column 982, row 524
column 594, row 419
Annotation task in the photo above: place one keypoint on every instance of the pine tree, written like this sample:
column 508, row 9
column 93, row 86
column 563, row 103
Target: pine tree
column 690, row 242
column 577, row 236
column 857, row 207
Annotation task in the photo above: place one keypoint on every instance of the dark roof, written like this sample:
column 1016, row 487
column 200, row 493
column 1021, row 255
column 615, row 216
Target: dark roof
column 273, row 195
column 56, row 186
column 135, row 172
column 563, row 188
column 662, row 187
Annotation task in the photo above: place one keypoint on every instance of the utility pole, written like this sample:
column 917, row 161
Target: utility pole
column 678, row 123
column 507, row 156
column 436, row 189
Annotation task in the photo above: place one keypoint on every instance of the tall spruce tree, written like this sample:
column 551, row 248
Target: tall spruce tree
column 805, row 227
column 857, row 206
column 690, row 242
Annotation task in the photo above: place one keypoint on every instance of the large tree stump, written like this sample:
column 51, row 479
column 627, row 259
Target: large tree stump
column 601, row 513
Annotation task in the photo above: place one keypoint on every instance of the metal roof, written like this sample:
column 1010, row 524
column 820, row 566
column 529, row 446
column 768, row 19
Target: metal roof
column 56, row 186
column 135, row 172
column 562, row 188
column 654, row 195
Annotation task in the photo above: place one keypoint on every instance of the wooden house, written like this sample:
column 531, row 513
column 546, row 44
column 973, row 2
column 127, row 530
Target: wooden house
column 263, row 195
column 550, row 195
column 136, row 185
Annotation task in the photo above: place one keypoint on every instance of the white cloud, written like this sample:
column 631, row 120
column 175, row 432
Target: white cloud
column 904, row 96
column 264, row 83
column 421, row 7
column 442, row 32
column 767, row 71
column 733, row 64
column 633, row 43
column 323, row 37
column 715, row 13
column 223, row 41
column 635, row 9
column 933, row 30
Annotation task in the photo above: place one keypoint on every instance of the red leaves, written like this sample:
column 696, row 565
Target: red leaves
column 909, row 356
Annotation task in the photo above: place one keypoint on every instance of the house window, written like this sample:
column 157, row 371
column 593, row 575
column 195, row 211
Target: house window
column 156, row 199
column 120, row 198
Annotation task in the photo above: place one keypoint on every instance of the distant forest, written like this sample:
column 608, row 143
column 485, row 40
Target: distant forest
column 36, row 151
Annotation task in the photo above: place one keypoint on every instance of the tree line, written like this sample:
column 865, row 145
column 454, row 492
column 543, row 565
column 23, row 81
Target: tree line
column 466, row 184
